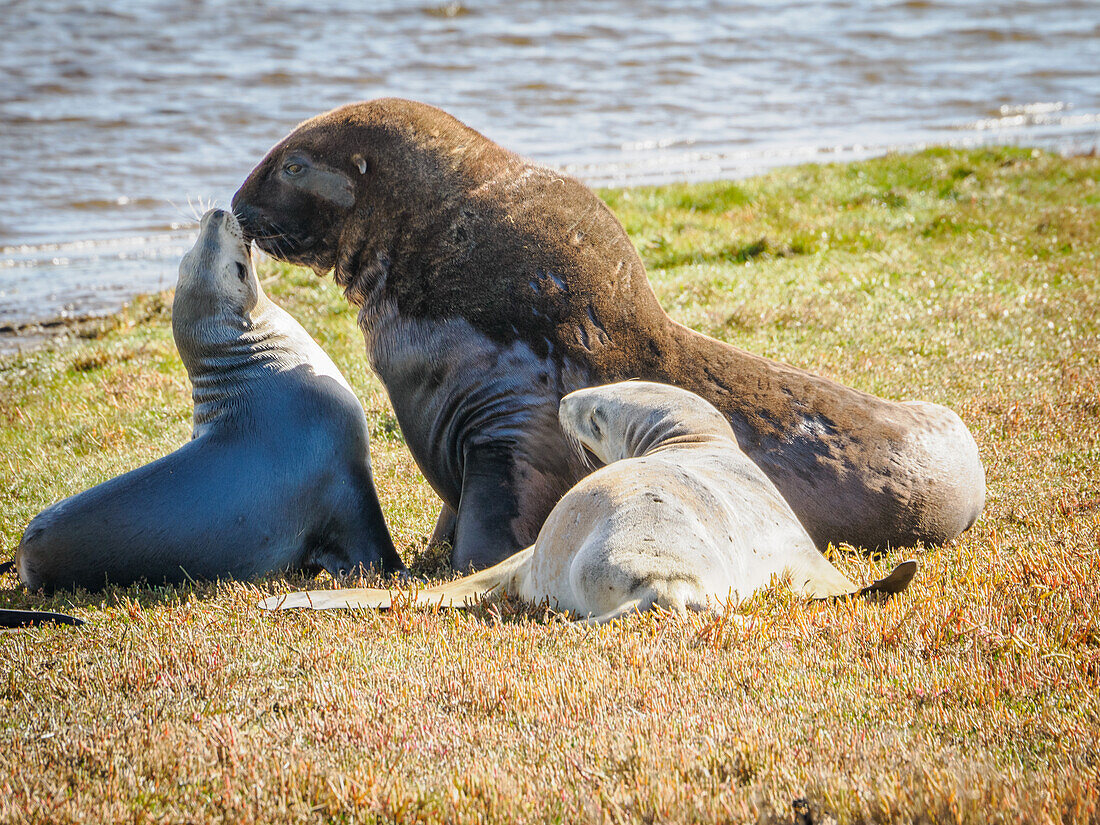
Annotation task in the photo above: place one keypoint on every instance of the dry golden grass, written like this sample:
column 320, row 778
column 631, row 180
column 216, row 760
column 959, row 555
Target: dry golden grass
column 969, row 278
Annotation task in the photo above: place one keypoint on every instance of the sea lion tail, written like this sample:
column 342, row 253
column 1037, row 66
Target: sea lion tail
column 889, row 586
column 457, row 594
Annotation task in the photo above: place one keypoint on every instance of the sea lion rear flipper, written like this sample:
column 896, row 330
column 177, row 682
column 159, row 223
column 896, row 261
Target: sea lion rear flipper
column 30, row 618
column 457, row 594
column 892, row 584
column 330, row 599
column 372, row 598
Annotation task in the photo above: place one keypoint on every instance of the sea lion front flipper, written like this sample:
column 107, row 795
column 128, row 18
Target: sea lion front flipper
column 30, row 618
column 632, row 606
column 895, row 582
column 487, row 509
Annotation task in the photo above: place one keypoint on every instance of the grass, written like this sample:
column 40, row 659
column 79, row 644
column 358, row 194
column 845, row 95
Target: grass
column 965, row 277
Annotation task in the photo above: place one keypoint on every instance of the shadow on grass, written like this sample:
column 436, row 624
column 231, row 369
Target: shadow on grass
column 660, row 256
column 429, row 565
column 147, row 596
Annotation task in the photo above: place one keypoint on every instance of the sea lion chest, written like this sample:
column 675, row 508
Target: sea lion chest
column 453, row 389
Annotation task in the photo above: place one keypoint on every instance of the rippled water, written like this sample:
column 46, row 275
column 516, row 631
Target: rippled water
column 117, row 119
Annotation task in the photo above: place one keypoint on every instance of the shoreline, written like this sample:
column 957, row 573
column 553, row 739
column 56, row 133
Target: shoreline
column 25, row 338
column 26, row 335
column 16, row 339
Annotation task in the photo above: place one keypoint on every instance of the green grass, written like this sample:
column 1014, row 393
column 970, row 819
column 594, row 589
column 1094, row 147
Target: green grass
column 969, row 278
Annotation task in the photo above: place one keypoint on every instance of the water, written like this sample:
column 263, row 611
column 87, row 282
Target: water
column 119, row 120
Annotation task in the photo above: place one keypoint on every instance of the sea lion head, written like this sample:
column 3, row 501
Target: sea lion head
column 413, row 210
column 384, row 162
column 217, row 288
column 631, row 418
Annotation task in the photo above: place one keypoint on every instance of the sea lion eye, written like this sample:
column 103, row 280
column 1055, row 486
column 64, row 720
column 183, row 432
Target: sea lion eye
column 594, row 423
column 242, row 271
column 294, row 168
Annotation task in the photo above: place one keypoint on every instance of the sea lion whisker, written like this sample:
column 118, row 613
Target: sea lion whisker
column 277, row 244
column 187, row 213
column 579, row 450
column 272, row 226
column 208, row 203
column 272, row 236
column 196, row 207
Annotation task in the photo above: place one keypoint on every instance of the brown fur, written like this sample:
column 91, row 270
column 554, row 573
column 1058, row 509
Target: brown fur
column 454, row 226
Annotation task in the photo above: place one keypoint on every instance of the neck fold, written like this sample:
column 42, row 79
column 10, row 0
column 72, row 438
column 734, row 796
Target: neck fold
column 225, row 357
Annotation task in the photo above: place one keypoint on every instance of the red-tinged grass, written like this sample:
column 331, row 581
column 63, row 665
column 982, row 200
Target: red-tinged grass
column 968, row 278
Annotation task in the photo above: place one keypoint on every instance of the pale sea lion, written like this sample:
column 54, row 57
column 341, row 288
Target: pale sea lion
column 490, row 287
column 678, row 518
column 276, row 477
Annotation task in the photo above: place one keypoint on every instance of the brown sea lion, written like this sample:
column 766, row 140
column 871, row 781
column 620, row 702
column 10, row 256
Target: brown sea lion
column 678, row 518
column 489, row 287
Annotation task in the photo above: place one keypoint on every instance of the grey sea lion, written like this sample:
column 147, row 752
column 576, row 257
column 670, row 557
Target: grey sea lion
column 277, row 475
column 489, row 287
column 678, row 517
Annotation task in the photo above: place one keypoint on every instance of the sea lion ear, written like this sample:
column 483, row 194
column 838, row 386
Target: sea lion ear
column 360, row 163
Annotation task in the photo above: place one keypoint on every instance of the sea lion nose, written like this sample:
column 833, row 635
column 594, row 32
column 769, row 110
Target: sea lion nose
column 212, row 219
column 248, row 218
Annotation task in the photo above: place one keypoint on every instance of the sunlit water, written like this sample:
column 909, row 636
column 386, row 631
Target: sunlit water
column 117, row 125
